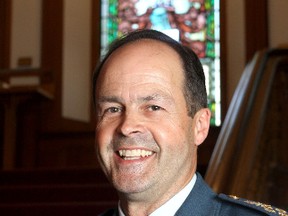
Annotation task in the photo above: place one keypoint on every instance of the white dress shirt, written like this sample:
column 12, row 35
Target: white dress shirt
column 171, row 206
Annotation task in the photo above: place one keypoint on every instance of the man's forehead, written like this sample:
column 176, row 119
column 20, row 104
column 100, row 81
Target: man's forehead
column 127, row 67
column 145, row 45
column 134, row 52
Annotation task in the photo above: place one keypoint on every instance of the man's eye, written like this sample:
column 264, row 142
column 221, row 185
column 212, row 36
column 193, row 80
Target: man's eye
column 155, row 108
column 113, row 110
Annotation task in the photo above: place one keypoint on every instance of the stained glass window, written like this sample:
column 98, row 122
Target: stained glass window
column 194, row 23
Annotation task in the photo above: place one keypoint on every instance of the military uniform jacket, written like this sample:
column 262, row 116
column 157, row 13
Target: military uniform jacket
column 202, row 201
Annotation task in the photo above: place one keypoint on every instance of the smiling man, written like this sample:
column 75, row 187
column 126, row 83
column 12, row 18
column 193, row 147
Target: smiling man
column 151, row 104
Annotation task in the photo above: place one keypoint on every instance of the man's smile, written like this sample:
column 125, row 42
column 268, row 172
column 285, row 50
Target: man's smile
column 134, row 154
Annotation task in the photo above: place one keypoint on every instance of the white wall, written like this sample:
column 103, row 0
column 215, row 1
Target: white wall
column 278, row 22
column 25, row 31
column 235, row 39
column 76, row 60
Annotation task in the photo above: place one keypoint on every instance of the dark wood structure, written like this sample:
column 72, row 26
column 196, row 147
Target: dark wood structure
column 49, row 192
column 19, row 89
column 250, row 157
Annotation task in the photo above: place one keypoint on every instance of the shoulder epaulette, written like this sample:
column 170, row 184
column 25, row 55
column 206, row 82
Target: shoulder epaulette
column 268, row 209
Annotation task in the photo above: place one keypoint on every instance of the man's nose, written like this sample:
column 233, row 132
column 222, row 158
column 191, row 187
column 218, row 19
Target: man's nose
column 131, row 124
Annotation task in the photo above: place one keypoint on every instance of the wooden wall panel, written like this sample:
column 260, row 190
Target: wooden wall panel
column 67, row 150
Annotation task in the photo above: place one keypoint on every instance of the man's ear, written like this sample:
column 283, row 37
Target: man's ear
column 202, row 124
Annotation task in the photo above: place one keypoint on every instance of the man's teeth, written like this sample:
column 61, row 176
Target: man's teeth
column 135, row 153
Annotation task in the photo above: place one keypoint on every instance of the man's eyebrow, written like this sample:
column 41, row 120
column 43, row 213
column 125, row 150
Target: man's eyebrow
column 108, row 99
column 151, row 97
column 155, row 97
column 115, row 99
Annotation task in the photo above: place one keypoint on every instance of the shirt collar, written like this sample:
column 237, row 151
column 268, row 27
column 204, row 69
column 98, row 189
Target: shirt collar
column 172, row 205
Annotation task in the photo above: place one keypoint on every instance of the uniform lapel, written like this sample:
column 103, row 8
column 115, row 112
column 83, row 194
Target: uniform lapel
column 201, row 201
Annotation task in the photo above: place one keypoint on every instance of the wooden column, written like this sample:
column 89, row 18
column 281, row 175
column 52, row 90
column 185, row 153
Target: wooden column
column 5, row 33
column 256, row 22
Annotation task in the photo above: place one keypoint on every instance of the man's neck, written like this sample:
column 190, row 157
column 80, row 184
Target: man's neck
column 149, row 206
column 140, row 208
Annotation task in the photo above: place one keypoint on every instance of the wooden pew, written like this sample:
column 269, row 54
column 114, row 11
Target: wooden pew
column 55, row 192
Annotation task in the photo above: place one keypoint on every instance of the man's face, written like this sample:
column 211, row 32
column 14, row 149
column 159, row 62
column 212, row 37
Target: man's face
column 145, row 139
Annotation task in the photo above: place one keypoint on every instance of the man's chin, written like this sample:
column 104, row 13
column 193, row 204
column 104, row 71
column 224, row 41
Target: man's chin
column 131, row 187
